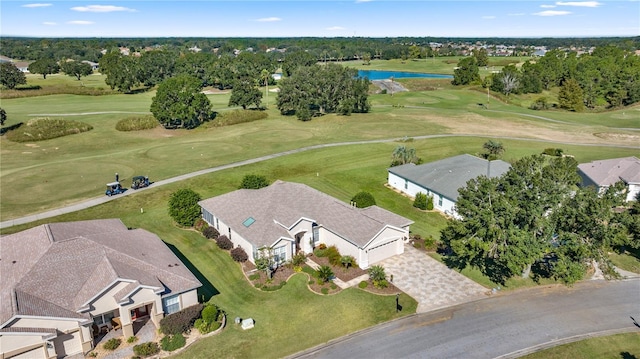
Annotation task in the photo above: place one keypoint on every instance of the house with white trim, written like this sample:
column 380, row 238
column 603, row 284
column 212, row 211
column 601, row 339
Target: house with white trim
column 442, row 179
column 62, row 283
column 604, row 173
column 291, row 218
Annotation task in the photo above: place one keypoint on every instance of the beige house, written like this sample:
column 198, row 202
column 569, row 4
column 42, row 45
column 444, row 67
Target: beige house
column 290, row 218
column 604, row 173
column 63, row 283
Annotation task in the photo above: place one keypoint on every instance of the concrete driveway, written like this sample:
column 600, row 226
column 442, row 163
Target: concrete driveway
column 430, row 282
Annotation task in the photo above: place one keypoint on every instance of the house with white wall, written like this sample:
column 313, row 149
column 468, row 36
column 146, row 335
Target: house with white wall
column 63, row 282
column 442, row 179
column 604, row 173
column 291, row 218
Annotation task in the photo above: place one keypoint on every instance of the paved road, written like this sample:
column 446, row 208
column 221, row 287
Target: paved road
column 103, row 199
column 504, row 326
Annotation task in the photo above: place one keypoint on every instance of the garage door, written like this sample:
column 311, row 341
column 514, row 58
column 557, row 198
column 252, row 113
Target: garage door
column 383, row 251
column 68, row 344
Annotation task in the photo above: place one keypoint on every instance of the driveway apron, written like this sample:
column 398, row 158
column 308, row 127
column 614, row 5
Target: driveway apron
column 430, row 282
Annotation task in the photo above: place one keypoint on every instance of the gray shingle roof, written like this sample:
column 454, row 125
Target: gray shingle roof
column 285, row 203
column 446, row 176
column 54, row 269
column 608, row 172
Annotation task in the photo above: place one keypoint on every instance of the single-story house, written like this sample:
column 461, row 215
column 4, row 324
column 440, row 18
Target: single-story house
column 63, row 283
column 442, row 179
column 94, row 65
column 603, row 173
column 290, row 218
column 23, row 66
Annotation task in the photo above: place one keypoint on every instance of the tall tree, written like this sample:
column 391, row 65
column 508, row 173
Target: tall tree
column 494, row 149
column 3, row 116
column 467, row 72
column 245, row 94
column 402, row 155
column 76, row 69
column 44, row 67
column 155, row 66
column 180, row 104
column 11, row 76
column 122, row 71
column 265, row 76
column 295, row 60
column 570, row 96
column 482, row 57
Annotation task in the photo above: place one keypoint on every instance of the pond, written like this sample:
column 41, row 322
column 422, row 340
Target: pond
column 385, row 75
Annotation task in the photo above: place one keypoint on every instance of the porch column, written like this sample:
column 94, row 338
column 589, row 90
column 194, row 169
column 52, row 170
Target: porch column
column 127, row 324
column 155, row 316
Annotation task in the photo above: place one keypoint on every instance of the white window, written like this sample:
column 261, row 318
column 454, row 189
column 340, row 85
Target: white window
column 171, row 304
column 406, row 184
column 280, row 254
column 440, row 201
column 103, row 318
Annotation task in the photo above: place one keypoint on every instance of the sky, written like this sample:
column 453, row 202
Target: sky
column 324, row 18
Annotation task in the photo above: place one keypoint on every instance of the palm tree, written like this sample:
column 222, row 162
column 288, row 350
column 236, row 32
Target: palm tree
column 494, row 149
column 325, row 273
column 377, row 274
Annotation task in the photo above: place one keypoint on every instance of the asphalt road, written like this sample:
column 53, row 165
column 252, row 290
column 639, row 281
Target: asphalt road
column 505, row 326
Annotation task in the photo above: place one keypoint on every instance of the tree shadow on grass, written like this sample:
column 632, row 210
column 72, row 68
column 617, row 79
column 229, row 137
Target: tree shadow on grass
column 207, row 290
column 627, row 355
column 9, row 128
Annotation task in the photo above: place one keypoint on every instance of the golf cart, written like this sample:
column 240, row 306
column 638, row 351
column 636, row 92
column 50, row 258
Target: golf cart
column 139, row 182
column 114, row 188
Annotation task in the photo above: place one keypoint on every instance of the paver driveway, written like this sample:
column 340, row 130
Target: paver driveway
column 430, row 282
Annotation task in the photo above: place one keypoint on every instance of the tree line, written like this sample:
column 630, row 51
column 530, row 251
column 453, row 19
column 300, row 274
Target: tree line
column 607, row 77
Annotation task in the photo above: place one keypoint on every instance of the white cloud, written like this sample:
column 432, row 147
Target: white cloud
column 552, row 13
column 335, row 28
column 269, row 19
column 516, row 14
column 579, row 3
column 101, row 8
column 49, row 23
column 36, row 5
column 80, row 22
column 547, row 6
column 488, row 17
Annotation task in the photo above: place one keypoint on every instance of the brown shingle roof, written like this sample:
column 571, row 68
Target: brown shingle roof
column 64, row 265
column 286, row 203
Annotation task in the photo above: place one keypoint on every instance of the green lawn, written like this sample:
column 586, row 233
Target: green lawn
column 620, row 346
column 629, row 261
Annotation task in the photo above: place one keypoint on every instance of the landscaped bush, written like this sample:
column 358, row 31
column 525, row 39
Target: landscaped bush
column 254, row 276
column 363, row 284
column 209, row 321
column 254, row 182
column 211, row 233
column 137, row 123
column 363, row 199
column 540, row 103
column 224, row 242
column 239, row 255
column 298, row 259
column 183, row 207
column 146, row 349
column 420, row 201
column 334, row 256
column 112, row 344
column 430, row 243
column 180, row 322
column 348, row 261
column 170, row 343
column 132, row 339
column 378, row 276
column 429, row 203
column 39, row 129
column 325, row 291
column 200, row 225
column 325, row 273
column 322, row 246
column 237, row 116
column 553, row 152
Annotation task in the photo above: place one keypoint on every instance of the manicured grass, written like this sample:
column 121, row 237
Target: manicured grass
column 629, row 261
column 623, row 346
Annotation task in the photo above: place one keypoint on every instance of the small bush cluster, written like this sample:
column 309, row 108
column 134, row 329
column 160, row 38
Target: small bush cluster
column 272, row 288
column 239, row 255
column 331, row 253
column 430, row 243
column 348, row 261
column 363, row 284
column 45, row 128
column 137, row 123
column 540, row 103
column 237, row 116
column 211, row 233
column 112, row 344
column 298, row 259
column 146, row 349
column 254, row 182
column 200, row 225
column 254, row 276
column 210, row 319
column 224, row 242
column 182, row 321
column 420, row 201
column 378, row 276
column 31, row 91
column 183, row 207
column 325, row 290
column 363, row 199
column 553, row 152
column 132, row 339
column 170, row 343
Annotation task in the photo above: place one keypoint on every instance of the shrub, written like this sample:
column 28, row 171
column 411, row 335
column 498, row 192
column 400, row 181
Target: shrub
column 180, row 322
column 132, row 339
column 553, row 152
column 322, row 246
column 348, row 261
column 211, row 233
column 363, row 199
column 298, row 259
column 363, row 284
column 210, row 313
column 112, row 344
column 239, row 255
column 376, row 273
column 224, row 242
column 228, row 118
column 540, row 103
column 146, row 349
column 137, row 123
column 334, row 256
column 420, row 201
column 333, row 286
column 430, row 243
column 429, row 203
column 325, row 290
column 254, row 182
column 172, row 342
column 92, row 354
column 380, row 283
column 200, row 225
column 44, row 128
column 312, row 282
column 325, row 273
column 183, row 207
column 254, row 276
